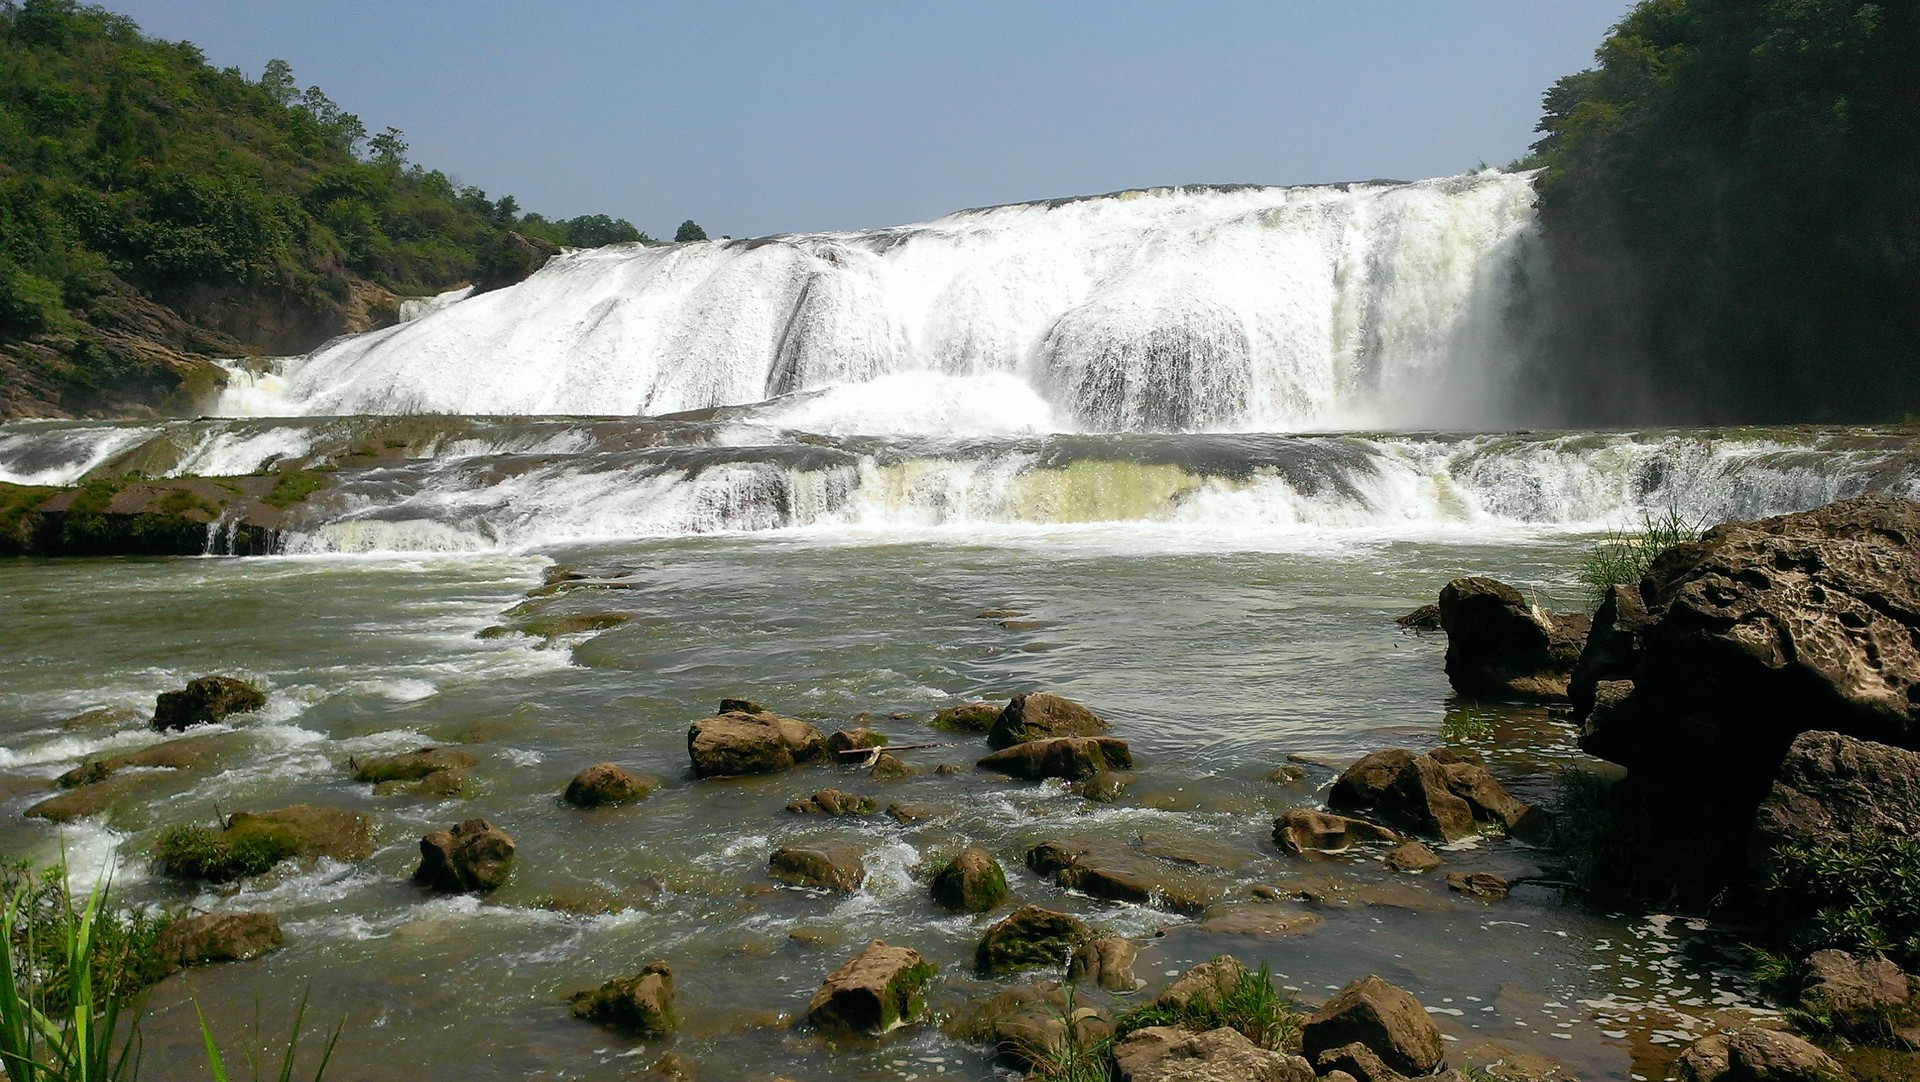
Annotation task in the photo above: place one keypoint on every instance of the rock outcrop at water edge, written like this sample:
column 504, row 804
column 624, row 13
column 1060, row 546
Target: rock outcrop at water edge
column 1501, row 647
column 1705, row 679
column 1384, row 1021
column 1435, row 794
column 1169, row 1054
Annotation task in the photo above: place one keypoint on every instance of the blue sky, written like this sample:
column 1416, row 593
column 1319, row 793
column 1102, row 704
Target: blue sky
column 756, row 118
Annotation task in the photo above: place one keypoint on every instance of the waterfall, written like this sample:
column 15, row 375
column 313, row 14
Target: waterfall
column 1168, row 310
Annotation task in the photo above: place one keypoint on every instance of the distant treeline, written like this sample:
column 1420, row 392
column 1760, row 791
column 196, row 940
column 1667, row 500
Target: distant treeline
column 131, row 170
column 1732, row 201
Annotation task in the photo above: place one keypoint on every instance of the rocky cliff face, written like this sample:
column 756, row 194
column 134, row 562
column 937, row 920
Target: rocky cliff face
column 1731, row 649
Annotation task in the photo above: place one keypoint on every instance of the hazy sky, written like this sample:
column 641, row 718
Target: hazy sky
column 777, row 117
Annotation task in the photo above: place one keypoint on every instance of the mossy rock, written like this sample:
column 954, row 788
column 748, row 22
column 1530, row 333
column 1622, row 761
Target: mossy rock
column 976, row 717
column 412, row 765
column 253, row 843
column 971, row 882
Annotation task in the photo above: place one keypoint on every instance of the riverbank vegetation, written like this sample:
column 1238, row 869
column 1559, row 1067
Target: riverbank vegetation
column 1732, row 198
column 155, row 209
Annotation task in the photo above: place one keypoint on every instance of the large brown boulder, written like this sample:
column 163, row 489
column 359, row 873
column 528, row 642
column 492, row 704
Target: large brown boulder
column 823, row 868
column 1029, row 936
column 1119, row 875
column 641, row 1005
column 1865, row 997
column 736, row 742
column 217, row 937
column 1501, row 647
column 1038, row 715
column 472, row 857
column 205, row 701
column 1832, row 787
column 1389, row 1022
column 1762, row 630
column 1068, row 757
column 877, row 990
column 1448, row 800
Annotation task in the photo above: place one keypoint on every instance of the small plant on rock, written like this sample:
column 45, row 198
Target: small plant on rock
column 1623, row 556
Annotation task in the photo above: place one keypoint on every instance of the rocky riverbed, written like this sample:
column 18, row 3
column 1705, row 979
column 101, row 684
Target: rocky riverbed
column 572, row 825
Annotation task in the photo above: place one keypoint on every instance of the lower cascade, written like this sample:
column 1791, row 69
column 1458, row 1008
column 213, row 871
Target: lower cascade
column 427, row 484
column 1172, row 309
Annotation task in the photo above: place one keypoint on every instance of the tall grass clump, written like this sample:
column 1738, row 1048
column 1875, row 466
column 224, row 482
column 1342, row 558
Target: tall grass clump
column 1623, row 556
column 1252, row 1006
column 56, row 1023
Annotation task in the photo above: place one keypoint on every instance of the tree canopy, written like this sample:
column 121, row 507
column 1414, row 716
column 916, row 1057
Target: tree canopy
column 1732, row 196
column 132, row 167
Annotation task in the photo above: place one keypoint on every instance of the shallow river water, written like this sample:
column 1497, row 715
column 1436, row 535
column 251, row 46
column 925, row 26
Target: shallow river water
column 1215, row 664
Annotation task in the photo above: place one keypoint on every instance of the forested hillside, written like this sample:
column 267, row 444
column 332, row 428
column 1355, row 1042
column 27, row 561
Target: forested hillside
column 155, row 211
column 1733, row 200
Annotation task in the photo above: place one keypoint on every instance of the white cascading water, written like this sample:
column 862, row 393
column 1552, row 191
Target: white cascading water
column 1173, row 310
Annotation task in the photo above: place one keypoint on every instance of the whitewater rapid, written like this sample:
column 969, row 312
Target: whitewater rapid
column 1166, row 310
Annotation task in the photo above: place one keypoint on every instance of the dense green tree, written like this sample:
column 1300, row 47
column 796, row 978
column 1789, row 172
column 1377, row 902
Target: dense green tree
column 689, row 230
column 133, row 173
column 1732, row 198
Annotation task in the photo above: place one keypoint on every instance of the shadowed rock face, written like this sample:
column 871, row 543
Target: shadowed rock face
column 876, row 990
column 1775, row 661
column 1501, row 647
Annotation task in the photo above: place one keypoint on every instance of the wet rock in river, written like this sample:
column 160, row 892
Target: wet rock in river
column 205, row 701
column 1424, row 618
column 1449, row 800
column 971, row 882
column 1030, row 936
column 103, row 717
column 1039, row 715
column 1211, row 982
column 1411, row 856
column 411, row 766
column 472, row 857
column 186, row 753
column 976, row 717
column 854, row 739
column 1268, row 919
column 1384, row 1020
column 606, row 783
column 890, row 767
column 1303, row 830
column 1756, row 1055
column 878, row 989
column 737, row 742
column 253, row 842
column 1103, row 788
column 217, row 937
column 1106, row 961
column 1068, row 757
column 1501, row 647
column 640, row 1005
column 1485, row 886
column 1166, row 1054
column 833, row 802
column 823, row 868
column 1120, row 876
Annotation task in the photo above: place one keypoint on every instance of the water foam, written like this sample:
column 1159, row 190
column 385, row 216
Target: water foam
column 1177, row 309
